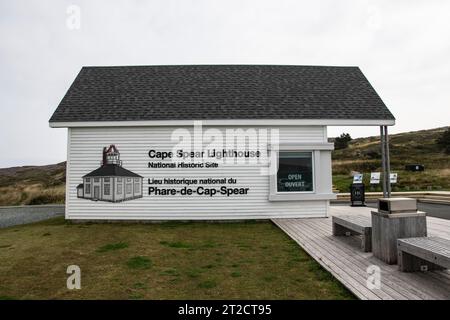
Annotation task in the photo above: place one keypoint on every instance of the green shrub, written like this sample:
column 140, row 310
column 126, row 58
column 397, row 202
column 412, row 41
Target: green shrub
column 46, row 198
column 342, row 141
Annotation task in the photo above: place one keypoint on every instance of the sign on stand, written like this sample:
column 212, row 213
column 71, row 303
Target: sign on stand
column 375, row 178
column 393, row 178
column 358, row 178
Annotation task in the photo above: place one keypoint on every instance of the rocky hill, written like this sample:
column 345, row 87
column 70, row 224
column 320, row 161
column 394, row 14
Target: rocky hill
column 33, row 184
column 364, row 155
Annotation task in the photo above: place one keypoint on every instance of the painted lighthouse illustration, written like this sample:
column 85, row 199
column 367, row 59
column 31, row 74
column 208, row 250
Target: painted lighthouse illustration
column 111, row 182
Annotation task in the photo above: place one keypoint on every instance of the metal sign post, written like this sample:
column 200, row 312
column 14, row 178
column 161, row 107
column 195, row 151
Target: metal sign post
column 388, row 162
column 385, row 161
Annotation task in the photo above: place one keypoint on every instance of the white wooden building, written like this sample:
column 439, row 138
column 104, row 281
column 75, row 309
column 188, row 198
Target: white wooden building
column 158, row 115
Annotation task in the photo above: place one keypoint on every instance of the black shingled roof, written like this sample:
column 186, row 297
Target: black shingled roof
column 111, row 170
column 200, row 92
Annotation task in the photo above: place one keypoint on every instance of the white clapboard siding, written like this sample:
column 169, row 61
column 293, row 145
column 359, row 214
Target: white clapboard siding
column 85, row 153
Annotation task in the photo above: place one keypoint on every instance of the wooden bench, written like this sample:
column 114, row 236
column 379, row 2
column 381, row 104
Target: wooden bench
column 354, row 224
column 424, row 253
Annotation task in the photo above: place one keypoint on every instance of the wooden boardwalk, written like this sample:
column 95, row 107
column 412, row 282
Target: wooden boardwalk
column 343, row 257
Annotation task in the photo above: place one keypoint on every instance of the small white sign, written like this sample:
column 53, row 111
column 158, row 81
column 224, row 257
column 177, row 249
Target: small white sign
column 358, row 178
column 375, row 177
column 393, row 178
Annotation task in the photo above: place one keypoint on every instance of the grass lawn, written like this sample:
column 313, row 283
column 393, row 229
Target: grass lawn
column 246, row 260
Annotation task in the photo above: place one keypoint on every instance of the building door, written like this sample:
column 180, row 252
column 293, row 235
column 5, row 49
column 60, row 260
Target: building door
column 96, row 192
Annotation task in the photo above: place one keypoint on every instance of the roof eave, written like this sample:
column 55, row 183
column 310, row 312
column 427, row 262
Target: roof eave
column 227, row 122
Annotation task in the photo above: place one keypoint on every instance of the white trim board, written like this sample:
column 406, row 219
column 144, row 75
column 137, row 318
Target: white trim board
column 301, row 146
column 228, row 122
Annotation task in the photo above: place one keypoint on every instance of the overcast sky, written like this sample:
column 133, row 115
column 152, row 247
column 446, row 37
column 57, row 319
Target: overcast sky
column 402, row 47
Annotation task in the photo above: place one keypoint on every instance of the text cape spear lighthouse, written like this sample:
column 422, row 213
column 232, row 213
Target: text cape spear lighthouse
column 111, row 182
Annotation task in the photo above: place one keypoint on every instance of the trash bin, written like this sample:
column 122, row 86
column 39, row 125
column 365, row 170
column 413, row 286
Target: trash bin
column 357, row 195
column 414, row 167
